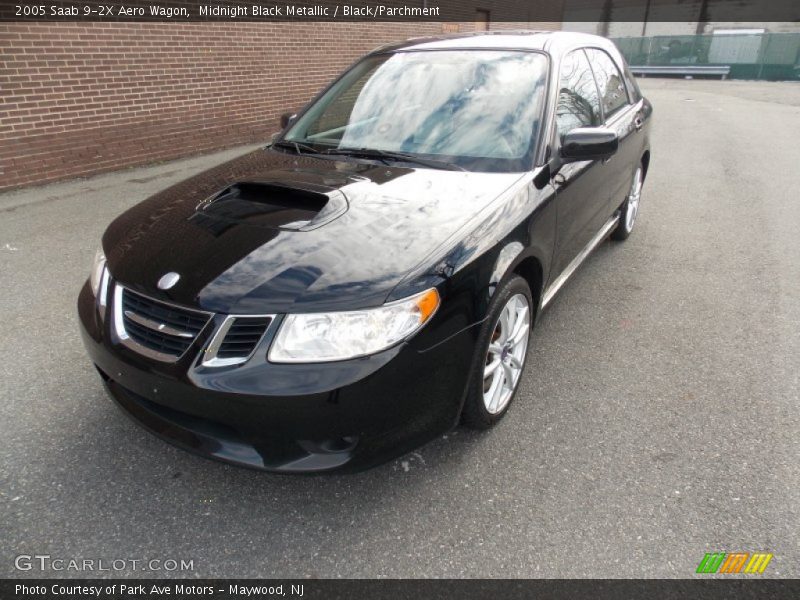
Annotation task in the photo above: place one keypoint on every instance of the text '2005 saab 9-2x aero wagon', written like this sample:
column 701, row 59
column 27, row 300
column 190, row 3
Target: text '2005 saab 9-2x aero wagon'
column 370, row 279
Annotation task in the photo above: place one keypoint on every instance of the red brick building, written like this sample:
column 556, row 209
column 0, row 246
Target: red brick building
column 83, row 98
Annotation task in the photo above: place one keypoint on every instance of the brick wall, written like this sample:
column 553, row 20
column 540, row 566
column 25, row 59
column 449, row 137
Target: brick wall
column 83, row 98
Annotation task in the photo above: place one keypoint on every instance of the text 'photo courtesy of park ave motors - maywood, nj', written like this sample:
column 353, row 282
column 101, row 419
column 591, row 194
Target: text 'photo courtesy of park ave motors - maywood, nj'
column 160, row 589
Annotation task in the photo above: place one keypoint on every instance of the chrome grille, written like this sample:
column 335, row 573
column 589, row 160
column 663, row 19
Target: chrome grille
column 154, row 328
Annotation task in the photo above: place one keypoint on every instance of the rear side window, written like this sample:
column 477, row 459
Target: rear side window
column 578, row 102
column 633, row 86
column 609, row 81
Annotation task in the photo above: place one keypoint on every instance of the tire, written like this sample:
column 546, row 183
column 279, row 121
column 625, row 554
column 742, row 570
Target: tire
column 489, row 396
column 630, row 208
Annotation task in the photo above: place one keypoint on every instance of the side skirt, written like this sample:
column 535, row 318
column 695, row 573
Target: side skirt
column 559, row 281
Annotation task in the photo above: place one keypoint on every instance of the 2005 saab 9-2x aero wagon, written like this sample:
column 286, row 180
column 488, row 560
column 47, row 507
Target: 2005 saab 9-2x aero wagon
column 371, row 278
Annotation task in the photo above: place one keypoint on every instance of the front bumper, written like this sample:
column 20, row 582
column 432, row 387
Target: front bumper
column 348, row 415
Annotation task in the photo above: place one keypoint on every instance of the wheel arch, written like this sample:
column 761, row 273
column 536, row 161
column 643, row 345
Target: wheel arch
column 513, row 259
column 530, row 269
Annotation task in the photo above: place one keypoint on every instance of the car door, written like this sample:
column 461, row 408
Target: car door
column 621, row 116
column 581, row 197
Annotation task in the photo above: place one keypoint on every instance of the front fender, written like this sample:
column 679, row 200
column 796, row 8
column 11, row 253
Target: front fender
column 517, row 235
column 508, row 256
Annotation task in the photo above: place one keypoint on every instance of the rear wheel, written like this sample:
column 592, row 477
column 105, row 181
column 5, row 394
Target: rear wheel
column 630, row 208
column 500, row 356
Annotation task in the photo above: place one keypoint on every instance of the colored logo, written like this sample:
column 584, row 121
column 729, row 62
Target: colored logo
column 734, row 562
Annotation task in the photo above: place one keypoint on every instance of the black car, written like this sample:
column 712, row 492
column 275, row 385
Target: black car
column 370, row 279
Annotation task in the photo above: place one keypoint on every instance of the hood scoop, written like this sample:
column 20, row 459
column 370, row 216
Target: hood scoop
column 288, row 206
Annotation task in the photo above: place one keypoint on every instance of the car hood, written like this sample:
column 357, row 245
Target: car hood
column 274, row 233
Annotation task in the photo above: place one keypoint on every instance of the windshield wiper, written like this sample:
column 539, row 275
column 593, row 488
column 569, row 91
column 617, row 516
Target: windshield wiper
column 298, row 147
column 386, row 155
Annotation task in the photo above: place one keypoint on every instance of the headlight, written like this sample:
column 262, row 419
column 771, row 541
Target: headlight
column 97, row 271
column 324, row 337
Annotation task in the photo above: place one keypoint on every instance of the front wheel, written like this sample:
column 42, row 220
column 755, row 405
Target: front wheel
column 500, row 355
column 629, row 208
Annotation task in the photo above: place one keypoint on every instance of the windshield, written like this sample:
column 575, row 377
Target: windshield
column 478, row 109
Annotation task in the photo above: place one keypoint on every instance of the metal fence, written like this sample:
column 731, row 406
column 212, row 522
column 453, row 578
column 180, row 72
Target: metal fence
column 769, row 56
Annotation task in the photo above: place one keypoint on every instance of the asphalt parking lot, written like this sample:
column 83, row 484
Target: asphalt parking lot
column 657, row 420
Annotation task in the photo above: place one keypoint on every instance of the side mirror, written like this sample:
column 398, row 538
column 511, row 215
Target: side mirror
column 589, row 143
column 287, row 119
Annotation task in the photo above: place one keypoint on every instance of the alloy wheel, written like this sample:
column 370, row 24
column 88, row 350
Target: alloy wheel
column 506, row 355
column 633, row 200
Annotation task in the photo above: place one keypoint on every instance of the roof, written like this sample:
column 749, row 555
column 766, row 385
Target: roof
column 521, row 40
